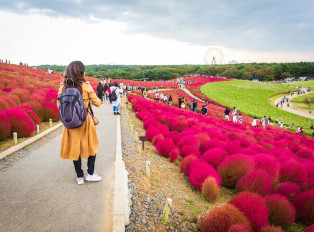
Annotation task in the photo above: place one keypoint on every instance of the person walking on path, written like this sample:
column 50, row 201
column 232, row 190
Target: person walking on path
column 263, row 121
column 144, row 93
column 100, row 92
column 234, row 114
column 116, row 103
column 240, row 119
column 170, row 100
column 254, row 123
column 227, row 111
column 194, row 105
column 81, row 142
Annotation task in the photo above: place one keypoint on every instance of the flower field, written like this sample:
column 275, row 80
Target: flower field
column 171, row 84
column 252, row 98
column 270, row 169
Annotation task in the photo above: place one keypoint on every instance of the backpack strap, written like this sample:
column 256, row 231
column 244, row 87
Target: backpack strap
column 91, row 110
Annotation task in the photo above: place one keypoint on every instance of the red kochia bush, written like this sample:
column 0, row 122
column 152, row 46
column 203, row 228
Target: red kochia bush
column 271, row 229
column 238, row 228
column 210, row 189
column 214, row 156
column 220, row 219
column 309, row 228
column 254, row 207
column 200, row 170
column 294, row 172
column 185, row 163
column 49, row 111
column 5, row 125
column 269, row 164
column 149, row 122
column 189, row 149
column 189, row 140
column 288, row 189
column 164, row 130
column 304, row 204
column 164, row 146
column 151, row 132
column 213, row 143
column 3, row 104
column 174, row 135
column 305, row 153
column 20, row 122
column 174, row 154
column 281, row 211
column 232, row 168
column 257, row 181
column 157, row 138
column 31, row 114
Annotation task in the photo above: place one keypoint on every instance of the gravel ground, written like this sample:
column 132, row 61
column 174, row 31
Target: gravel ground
column 11, row 159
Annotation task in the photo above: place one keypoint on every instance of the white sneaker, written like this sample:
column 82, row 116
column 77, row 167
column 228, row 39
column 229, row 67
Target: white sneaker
column 93, row 177
column 80, row 180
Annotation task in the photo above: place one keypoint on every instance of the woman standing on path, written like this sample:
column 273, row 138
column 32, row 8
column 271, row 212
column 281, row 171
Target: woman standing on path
column 81, row 142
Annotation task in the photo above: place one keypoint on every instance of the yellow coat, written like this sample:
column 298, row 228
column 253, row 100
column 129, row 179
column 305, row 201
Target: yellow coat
column 82, row 141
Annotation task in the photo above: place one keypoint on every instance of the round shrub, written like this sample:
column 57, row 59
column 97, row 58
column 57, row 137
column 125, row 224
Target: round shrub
column 294, row 172
column 213, row 143
column 189, row 149
column 304, row 205
column 214, row 156
column 157, row 138
column 233, row 147
column 20, row 122
column 174, row 135
column 49, row 111
column 254, row 207
column 281, row 211
column 257, row 181
column 164, row 146
column 210, row 189
column 36, row 107
column 189, row 140
column 233, row 167
column 305, row 153
column 309, row 228
column 220, row 219
column 269, row 164
column 238, row 228
column 271, row 229
column 174, row 154
column 164, row 130
column 200, row 170
column 3, row 104
column 288, row 189
column 185, row 163
column 5, row 125
column 31, row 114
column 150, row 121
column 151, row 132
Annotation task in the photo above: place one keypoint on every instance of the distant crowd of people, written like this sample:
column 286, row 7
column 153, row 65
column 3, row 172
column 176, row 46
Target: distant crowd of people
column 5, row 61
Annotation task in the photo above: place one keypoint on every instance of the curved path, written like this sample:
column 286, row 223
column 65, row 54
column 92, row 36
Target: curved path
column 291, row 110
column 40, row 192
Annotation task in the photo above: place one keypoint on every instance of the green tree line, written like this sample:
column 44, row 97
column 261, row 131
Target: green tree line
column 245, row 71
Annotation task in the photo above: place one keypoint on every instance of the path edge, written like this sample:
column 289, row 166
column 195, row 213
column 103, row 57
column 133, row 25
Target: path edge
column 121, row 196
column 28, row 142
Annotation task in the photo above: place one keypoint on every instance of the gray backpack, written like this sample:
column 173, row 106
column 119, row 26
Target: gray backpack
column 72, row 110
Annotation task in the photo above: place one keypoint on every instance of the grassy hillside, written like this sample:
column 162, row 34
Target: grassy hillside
column 301, row 83
column 252, row 98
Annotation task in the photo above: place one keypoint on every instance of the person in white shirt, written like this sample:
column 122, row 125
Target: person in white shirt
column 234, row 114
column 116, row 103
column 157, row 96
column 165, row 99
column 254, row 122
column 263, row 121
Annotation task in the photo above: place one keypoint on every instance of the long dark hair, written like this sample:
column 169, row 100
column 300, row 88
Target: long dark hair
column 74, row 71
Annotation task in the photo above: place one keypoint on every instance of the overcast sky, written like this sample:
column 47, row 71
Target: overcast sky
column 155, row 32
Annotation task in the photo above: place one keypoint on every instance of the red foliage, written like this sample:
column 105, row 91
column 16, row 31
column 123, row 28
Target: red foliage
column 174, row 154
column 271, row 229
column 294, row 172
column 20, row 122
column 304, row 205
column 151, row 132
column 149, row 122
column 232, row 168
column 164, row 130
column 254, row 207
column 189, row 140
column 200, row 171
column 281, row 211
column 214, row 156
column 6, row 103
column 157, row 138
column 165, row 146
column 269, row 164
column 5, row 125
column 210, row 189
column 31, row 114
column 288, row 189
column 49, row 111
column 238, row 228
column 220, row 219
column 306, row 153
column 185, row 164
column 257, row 181
column 174, row 135
column 189, row 149
column 309, row 228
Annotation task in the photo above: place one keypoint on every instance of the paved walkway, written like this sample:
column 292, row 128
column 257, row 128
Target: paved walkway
column 40, row 192
column 290, row 109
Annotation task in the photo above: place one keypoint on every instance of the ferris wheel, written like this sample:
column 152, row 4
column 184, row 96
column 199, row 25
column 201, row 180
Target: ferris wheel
column 213, row 56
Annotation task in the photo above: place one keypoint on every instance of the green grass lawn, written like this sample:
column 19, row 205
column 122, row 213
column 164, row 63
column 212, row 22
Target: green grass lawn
column 301, row 83
column 252, row 98
column 301, row 98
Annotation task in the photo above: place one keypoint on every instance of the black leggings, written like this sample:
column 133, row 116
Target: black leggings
column 90, row 166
